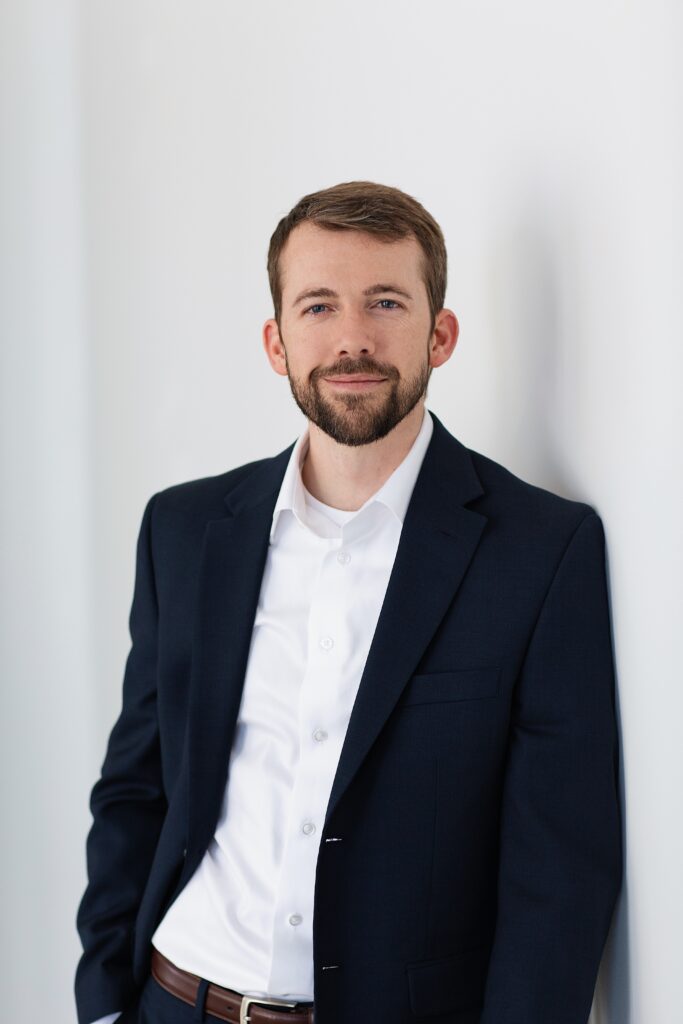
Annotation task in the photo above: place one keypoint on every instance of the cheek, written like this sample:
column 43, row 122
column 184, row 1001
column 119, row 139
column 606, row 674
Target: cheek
column 303, row 360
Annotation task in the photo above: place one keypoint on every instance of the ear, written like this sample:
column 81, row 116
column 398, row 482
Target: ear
column 444, row 337
column 272, row 343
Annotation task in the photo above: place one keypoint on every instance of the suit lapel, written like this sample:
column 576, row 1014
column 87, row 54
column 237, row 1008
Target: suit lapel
column 231, row 568
column 437, row 543
column 438, row 540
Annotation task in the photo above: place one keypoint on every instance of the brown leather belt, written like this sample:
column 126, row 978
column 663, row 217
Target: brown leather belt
column 223, row 1002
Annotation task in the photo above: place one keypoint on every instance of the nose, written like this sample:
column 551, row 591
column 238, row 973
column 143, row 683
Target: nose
column 354, row 335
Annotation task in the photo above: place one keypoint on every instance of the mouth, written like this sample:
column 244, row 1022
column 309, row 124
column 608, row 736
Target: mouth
column 358, row 383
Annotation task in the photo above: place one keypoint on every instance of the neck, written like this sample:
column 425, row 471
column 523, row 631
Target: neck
column 344, row 476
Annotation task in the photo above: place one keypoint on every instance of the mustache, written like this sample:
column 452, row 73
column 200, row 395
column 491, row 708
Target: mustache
column 349, row 370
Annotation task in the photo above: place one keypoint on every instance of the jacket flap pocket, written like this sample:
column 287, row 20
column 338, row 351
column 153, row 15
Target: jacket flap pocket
column 459, row 684
column 451, row 983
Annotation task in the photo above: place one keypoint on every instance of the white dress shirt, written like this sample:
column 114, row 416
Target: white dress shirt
column 244, row 920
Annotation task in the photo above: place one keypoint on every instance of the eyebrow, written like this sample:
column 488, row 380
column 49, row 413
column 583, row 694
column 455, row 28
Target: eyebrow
column 328, row 293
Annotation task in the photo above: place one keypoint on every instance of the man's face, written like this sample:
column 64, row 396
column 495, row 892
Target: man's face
column 352, row 306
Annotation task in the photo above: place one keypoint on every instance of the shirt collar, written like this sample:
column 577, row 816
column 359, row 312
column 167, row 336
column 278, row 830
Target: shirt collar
column 395, row 492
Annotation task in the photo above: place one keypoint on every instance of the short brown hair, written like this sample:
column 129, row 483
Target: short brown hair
column 379, row 210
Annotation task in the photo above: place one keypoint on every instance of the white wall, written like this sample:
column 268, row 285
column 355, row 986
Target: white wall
column 49, row 735
column 149, row 149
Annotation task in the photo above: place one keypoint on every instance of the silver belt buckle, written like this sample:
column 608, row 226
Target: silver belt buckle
column 248, row 1000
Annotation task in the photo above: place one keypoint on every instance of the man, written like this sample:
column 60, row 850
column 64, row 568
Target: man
column 366, row 764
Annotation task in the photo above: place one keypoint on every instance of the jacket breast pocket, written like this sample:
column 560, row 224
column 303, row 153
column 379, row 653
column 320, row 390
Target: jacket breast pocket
column 452, row 685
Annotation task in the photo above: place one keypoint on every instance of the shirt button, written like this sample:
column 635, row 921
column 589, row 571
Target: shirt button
column 308, row 828
column 319, row 735
column 295, row 918
column 327, row 643
column 343, row 557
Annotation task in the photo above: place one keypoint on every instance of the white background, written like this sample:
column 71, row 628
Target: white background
column 148, row 150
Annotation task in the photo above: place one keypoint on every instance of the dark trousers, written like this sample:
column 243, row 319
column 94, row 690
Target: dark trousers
column 157, row 1006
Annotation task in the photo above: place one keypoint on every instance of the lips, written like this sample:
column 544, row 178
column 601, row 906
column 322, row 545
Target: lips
column 354, row 380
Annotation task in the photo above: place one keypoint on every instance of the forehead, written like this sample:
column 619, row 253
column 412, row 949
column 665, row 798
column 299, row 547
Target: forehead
column 320, row 256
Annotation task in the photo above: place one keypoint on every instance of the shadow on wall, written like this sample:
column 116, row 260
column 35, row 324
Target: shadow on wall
column 525, row 302
column 534, row 301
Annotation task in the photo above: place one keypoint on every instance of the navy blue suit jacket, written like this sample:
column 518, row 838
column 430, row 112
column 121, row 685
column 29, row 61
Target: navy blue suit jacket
column 477, row 852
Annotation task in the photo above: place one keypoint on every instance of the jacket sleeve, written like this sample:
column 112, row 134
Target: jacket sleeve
column 128, row 806
column 560, row 836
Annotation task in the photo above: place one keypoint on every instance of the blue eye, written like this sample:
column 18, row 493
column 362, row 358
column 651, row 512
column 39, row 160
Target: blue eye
column 322, row 306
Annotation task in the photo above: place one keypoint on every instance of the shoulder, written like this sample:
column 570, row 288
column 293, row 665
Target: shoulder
column 522, row 497
column 518, row 505
column 189, row 502
column 534, row 522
